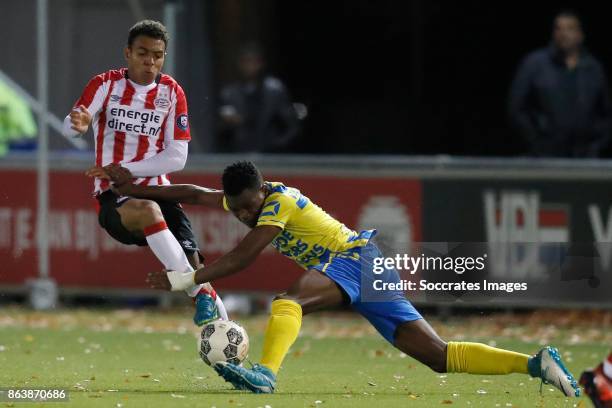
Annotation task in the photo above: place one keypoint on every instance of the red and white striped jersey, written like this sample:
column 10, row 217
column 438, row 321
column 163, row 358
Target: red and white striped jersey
column 133, row 122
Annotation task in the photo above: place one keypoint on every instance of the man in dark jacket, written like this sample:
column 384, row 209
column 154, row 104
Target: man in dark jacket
column 559, row 99
column 256, row 112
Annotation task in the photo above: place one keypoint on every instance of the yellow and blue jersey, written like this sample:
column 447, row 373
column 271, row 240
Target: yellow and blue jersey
column 309, row 235
column 316, row 240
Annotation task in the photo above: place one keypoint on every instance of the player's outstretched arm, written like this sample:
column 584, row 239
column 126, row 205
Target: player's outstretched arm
column 87, row 106
column 180, row 193
column 234, row 261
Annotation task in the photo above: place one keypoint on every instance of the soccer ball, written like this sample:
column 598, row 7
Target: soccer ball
column 223, row 340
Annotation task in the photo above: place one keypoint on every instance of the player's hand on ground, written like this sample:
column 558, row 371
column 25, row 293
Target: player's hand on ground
column 119, row 175
column 97, row 172
column 80, row 118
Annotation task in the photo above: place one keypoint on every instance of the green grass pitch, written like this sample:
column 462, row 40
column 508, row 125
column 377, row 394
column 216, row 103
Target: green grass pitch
column 146, row 358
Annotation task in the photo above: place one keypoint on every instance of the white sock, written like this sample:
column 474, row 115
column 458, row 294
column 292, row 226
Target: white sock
column 221, row 308
column 170, row 253
column 607, row 367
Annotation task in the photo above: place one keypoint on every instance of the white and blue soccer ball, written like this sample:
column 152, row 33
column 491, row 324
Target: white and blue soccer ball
column 223, row 340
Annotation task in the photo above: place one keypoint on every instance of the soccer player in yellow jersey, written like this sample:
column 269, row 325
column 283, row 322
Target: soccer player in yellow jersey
column 338, row 267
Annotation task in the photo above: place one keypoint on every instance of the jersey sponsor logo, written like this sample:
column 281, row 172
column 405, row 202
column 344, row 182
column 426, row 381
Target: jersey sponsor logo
column 144, row 121
column 182, row 122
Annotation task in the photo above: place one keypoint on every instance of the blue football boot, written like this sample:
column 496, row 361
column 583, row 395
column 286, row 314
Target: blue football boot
column 205, row 307
column 259, row 379
column 547, row 365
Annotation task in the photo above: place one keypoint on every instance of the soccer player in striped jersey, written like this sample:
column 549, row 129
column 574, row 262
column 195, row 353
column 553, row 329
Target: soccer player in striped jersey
column 597, row 383
column 139, row 119
column 338, row 265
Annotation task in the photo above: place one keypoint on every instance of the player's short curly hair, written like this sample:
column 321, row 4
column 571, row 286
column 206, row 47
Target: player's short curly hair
column 148, row 28
column 240, row 176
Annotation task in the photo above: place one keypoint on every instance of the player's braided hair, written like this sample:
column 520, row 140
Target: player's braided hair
column 149, row 28
column 240, row 176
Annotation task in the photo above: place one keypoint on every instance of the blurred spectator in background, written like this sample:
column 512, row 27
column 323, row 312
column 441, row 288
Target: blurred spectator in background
column 256, row 112
column 17, row 125
column 559, row 99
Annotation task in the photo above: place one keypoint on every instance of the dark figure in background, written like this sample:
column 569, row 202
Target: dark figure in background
column 256, row 112
column 559, row 100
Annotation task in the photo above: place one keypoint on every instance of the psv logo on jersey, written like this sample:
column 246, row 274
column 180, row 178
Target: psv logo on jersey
column 162, row 101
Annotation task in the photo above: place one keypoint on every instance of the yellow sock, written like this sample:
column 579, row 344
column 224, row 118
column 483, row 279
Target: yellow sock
column 477, row 358
column 282, row 330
